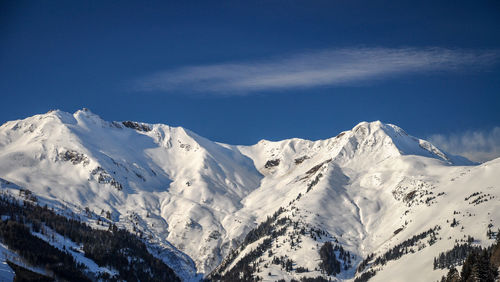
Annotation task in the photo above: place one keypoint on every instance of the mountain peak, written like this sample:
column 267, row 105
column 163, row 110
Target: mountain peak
column 380, row 140
column 86, row 113
column 376, row 125
column 86, row 119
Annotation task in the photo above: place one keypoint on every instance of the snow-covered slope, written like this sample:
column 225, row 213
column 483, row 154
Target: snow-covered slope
column 171, row 184
column 367, row 190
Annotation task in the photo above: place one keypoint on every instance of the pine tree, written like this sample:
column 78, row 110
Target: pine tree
column 329, row 262
column 470, row 261
column 483, row 269
column 453, row 275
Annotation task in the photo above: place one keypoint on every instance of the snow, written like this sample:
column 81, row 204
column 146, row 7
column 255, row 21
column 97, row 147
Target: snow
column 6, row 273
column 64, row 244
column 195, row 200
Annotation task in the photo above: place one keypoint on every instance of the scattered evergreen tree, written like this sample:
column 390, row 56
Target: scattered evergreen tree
column 329, row 262
column 480, row 265
column 404, row 247
column 365, row 276
column 313, row 279
column 115, row 248
column 38, row 252
column 454, row 257
column 22, row 274
column 453, row 276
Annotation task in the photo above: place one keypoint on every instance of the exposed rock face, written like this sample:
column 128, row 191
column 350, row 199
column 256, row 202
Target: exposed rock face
column 137, row 126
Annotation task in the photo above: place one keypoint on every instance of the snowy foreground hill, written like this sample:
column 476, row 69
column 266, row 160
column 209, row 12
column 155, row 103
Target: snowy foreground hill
column 386, row 203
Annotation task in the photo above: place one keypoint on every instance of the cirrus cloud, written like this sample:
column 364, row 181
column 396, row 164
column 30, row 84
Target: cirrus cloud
column 313, row 69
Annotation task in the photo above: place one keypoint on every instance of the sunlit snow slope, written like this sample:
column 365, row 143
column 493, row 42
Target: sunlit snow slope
column 367, row 190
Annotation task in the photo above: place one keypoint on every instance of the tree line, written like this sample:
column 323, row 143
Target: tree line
column 113, row 248
column 480, row 264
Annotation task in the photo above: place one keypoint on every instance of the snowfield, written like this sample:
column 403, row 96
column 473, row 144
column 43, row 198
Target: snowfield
column 366, row 190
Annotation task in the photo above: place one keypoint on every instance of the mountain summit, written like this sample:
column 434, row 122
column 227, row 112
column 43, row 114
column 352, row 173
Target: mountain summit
column 266, row 210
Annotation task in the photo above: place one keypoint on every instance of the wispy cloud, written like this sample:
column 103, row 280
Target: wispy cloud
column 478, row 146
column 320, row 68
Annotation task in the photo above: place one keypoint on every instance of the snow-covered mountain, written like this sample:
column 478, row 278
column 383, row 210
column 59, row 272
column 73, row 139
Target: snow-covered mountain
column 211, row 208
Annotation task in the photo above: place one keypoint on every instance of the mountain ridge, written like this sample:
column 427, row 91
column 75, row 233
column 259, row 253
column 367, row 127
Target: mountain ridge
column 199, row 199
column 72, row 119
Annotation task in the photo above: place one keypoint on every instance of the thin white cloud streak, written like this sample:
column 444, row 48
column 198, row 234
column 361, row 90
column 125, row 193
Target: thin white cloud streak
column 321, row 68
column 478, row 146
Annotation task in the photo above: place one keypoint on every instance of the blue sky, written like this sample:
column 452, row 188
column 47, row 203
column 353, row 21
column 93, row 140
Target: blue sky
column 241, row 71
